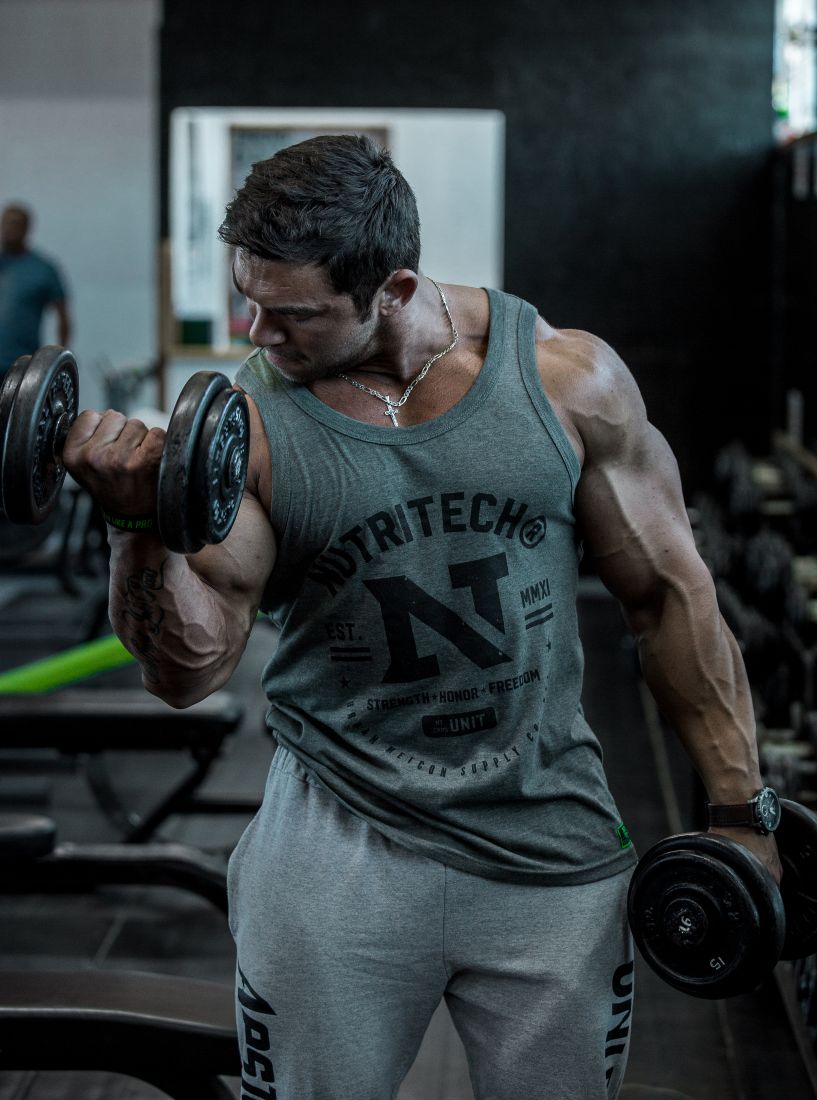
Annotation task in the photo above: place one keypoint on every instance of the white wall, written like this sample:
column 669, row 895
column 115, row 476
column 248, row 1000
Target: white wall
column 78, row 94
column 78, row 143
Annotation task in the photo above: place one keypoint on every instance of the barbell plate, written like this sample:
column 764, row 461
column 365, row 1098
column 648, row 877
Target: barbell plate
column 796, row 837
column 46, row 394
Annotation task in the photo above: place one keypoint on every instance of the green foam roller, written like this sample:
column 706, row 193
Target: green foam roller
column 61, row 669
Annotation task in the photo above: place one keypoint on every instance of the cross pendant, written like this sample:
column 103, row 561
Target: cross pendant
column 391, row 411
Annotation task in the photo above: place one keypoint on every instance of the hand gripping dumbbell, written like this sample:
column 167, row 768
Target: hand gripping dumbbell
column 204, row 461
column 709, row 918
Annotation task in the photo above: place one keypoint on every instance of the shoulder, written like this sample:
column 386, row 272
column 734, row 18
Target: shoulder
column 591, row 389
column 43, row 262
column 46, row 270
column 258, row 377
column 255, row 378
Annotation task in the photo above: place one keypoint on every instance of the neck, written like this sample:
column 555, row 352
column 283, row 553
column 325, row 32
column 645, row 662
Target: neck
column 421, row 330
column 394, row 404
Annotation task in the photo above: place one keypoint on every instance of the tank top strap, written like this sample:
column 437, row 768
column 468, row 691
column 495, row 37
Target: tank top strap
column 520, row 341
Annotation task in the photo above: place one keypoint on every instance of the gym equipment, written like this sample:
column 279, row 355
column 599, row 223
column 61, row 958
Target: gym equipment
column 738, row 489
column 710, row 920
column 203, row 467
column 93, row 722
column 37, row 863
column 77, row 663
column 177, row 1034
column 768, row 572
column 805, row 987
column 718, row 548
column 796, row 837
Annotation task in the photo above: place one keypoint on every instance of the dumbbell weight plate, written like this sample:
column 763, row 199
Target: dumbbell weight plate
column 796, row 837
column 38, row 403
column 221, row 463
column 706, row 915
column 204, row 464
column 8, row 390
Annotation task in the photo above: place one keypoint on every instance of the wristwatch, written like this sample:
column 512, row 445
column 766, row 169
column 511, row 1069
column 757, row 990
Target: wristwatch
column 761, row 812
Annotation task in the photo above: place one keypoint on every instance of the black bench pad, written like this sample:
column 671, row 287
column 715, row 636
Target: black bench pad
column 178, row 1033
column 106, row 721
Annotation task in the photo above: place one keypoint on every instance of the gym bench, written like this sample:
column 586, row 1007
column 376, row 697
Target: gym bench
column 177, row 1034
column 92, row 722
column 33, row 862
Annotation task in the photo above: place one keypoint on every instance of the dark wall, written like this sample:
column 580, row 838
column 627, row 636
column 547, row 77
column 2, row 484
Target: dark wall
column 638, row 134
column 795, row 282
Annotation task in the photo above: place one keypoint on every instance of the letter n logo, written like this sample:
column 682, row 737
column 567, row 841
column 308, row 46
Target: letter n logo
column 402, row 600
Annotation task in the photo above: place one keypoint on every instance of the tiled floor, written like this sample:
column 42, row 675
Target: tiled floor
column 681, row 1047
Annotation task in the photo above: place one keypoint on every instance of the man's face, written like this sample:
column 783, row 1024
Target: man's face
column 307, row 330
column 13, row 228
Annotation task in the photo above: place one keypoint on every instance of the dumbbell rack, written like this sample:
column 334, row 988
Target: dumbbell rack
column 757, row 532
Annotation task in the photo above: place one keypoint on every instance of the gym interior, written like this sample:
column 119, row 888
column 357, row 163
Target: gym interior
column 644, row 172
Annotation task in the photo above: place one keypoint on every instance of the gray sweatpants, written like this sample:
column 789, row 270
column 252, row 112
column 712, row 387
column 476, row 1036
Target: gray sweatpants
column 346, row 943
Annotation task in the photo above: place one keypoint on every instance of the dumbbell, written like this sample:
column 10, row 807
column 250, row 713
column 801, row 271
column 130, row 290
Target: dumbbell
column 203, row 466
column 711, row 921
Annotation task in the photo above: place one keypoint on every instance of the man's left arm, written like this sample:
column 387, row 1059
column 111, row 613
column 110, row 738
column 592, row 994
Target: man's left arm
column 631, row 513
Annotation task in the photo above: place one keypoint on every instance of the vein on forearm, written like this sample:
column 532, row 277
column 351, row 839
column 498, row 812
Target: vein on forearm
column 692, row 665
column 145, row 616
column 171, row 621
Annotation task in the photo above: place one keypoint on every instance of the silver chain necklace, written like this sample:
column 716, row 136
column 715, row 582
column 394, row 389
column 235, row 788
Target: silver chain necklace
column 391, row 405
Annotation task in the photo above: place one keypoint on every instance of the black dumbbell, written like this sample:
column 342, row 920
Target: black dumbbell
column 711, row 921
column 204, row 462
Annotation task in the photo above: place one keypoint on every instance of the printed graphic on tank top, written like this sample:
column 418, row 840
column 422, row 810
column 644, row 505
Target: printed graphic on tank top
column 428, row 670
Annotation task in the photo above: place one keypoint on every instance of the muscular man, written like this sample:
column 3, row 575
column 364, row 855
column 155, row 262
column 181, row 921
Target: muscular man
column 425, row 462
column 29, row 284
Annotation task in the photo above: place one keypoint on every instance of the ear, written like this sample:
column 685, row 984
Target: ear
column 397, row 291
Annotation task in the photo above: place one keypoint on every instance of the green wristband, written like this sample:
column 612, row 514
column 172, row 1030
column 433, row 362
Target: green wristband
column 130, row 523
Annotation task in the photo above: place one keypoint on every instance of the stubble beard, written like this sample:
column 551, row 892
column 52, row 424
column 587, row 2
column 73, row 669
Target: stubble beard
column 352, row 356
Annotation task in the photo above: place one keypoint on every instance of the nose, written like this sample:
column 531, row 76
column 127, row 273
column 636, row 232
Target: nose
column 264, row 331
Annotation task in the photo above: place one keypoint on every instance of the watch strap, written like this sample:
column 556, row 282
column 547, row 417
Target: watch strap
column 726, row 814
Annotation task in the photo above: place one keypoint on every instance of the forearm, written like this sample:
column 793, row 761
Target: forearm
column 185, row 637
column 692, row 665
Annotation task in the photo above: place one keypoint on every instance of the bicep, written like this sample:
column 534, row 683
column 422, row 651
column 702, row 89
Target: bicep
column 632, row 518
column 237, row 569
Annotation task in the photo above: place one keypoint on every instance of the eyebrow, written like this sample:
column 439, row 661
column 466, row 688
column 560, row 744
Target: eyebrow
column 286, row 311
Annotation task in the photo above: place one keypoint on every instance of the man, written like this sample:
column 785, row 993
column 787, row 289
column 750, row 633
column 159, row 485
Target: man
column 424, row 462
column 29, row 284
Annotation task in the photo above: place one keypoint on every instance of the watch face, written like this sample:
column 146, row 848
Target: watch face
column 768, row 809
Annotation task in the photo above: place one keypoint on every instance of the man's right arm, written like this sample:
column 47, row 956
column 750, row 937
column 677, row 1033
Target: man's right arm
column 186, row 619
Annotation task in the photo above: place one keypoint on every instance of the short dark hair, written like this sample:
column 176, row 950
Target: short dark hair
column 336, row 201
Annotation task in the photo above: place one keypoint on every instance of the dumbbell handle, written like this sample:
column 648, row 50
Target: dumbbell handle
column 61, row 429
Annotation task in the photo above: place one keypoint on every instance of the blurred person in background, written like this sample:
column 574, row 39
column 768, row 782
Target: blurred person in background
column 29, row 285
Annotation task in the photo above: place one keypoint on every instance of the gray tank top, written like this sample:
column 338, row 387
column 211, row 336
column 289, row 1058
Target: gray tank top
column 429, row 669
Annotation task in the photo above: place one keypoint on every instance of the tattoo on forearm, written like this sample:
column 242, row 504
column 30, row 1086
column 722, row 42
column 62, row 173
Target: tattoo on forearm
column 142, row 608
